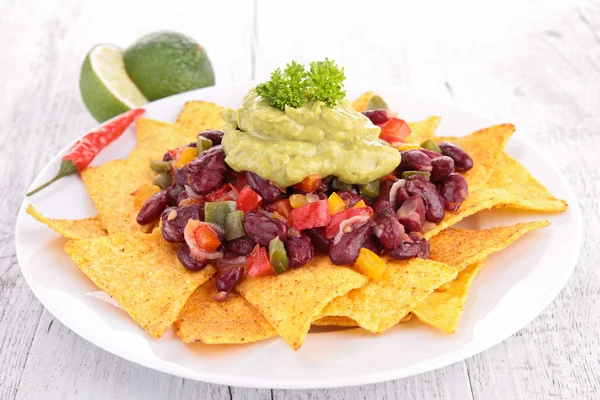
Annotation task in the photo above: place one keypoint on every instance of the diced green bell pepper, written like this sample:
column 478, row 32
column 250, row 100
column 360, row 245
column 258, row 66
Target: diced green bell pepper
column 429, row 144
column 370, row 190
column 216, row 211
column 278, row 256
column 234, row 225
column 407, row 174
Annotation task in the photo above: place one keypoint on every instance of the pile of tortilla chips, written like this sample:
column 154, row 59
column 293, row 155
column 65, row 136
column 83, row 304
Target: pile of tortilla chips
column 140, row 270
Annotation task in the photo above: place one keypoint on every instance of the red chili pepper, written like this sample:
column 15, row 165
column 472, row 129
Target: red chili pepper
column 85, row 149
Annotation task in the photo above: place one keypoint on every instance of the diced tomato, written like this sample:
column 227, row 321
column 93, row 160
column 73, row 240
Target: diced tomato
column 388, row 177
column 235, row 190
column 394, row 130
column 334, row 226
column 312, row 215
column 206, row 239
column 222, row 194
column 258, row 262
column 310, row 184
column 248, row 200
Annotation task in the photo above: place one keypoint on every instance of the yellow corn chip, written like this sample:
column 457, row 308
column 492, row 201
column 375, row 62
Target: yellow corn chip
column 496, row 180
column 380, row 305
column 142, row 273
column 233, row 321
column 333, row 320
column 361, row 103
column 422, row 130
column 198, row 116
column 111, row 185
column 71, row 229
column 463, row 247
column 291, row 301
column 442, row 309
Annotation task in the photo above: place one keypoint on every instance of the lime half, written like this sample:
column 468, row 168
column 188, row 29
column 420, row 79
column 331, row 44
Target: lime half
column 105, row 87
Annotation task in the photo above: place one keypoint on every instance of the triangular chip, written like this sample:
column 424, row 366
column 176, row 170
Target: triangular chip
column 233, row 321
column 422, row 130
column 380, row 305
column 442, row 309
column 111, row 185
column 333, row 320
column 198, row 116
column 290, row 301
column 496, row 179
column 85, row 228
column 463, row 247
column 142, row 273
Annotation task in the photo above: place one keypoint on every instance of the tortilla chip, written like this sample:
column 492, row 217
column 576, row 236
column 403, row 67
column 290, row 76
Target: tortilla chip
column 361, row 103
column 334, row 321
column 291, row 301
column 442, row 309
column 111, row 185
column 496, row 180
column 380, row 305
column 233, row 321
column 71, row 228
column 142, row 273
column 422, row 130
column 198, row 116
column 463, row 247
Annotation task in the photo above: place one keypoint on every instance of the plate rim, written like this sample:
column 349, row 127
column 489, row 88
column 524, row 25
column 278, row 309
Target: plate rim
column 375, row 377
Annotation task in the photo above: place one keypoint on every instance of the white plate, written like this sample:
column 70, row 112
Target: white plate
column 513, row 288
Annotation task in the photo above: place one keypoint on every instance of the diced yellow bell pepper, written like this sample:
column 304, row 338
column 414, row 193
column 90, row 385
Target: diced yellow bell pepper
column 142, row 194
column 370, row 264
column 298, row 200
column 336, row 203
column 360, row 204
column 187, row 155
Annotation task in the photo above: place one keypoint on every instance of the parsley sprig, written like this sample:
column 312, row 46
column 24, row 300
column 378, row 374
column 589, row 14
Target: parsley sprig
column 295, row 85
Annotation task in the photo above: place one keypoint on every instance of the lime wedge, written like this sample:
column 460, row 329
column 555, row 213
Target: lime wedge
column 105, row 87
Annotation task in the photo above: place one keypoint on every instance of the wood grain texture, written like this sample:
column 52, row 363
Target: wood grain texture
column 536, row 64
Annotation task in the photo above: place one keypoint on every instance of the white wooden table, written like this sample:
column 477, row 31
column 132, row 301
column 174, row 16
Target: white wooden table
column 536, row 64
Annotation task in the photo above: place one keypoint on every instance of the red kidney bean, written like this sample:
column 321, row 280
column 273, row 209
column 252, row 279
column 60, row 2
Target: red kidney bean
column 441, row 168
column 377, row 117
column 401, row 196
column 384, row 193
column 215, row 136
column 174, row 192
column 454, row 191
column 241, row 246
column 192, row 144
column 434, row 204
column 206, row 172
column 414, row 160
column 346, row 250
column 424, row 248
column 350, row 197
column 228, row 279
column 319, row 239
column 181, row 177
column 153, row 208
column 300, row 250
column 262, row 229
column 188, row 260
column 462, row 161
column 175, row 219
column 167, row 157
column 383, row 209
column 388, row 230
column 411, row 249
column 412, row 214
column 323, row 187
column 373, row 245
column 269, row 192
column 430, row 153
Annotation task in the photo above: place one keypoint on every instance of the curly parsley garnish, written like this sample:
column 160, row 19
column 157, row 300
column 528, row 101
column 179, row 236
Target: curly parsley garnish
column 295, row 85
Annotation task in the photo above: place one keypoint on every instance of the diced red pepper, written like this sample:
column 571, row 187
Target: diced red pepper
column 222, row 194
column 312, row 215
column 394, row 130
column 334, row 226
column 241, row 181
column 388, row 177
column 235, row 190
column 206, row 239
column 258, row 262
column 310, row 184
column 248, row 200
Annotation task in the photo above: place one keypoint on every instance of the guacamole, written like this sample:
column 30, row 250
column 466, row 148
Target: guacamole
column 287, row 146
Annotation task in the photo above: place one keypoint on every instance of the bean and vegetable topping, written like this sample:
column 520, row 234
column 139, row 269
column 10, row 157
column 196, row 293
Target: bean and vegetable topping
column 245, row 224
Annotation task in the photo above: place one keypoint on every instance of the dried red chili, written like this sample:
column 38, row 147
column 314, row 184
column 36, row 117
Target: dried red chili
column 85, row 149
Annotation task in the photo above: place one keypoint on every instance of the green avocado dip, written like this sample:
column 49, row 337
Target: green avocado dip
column 287, row 146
